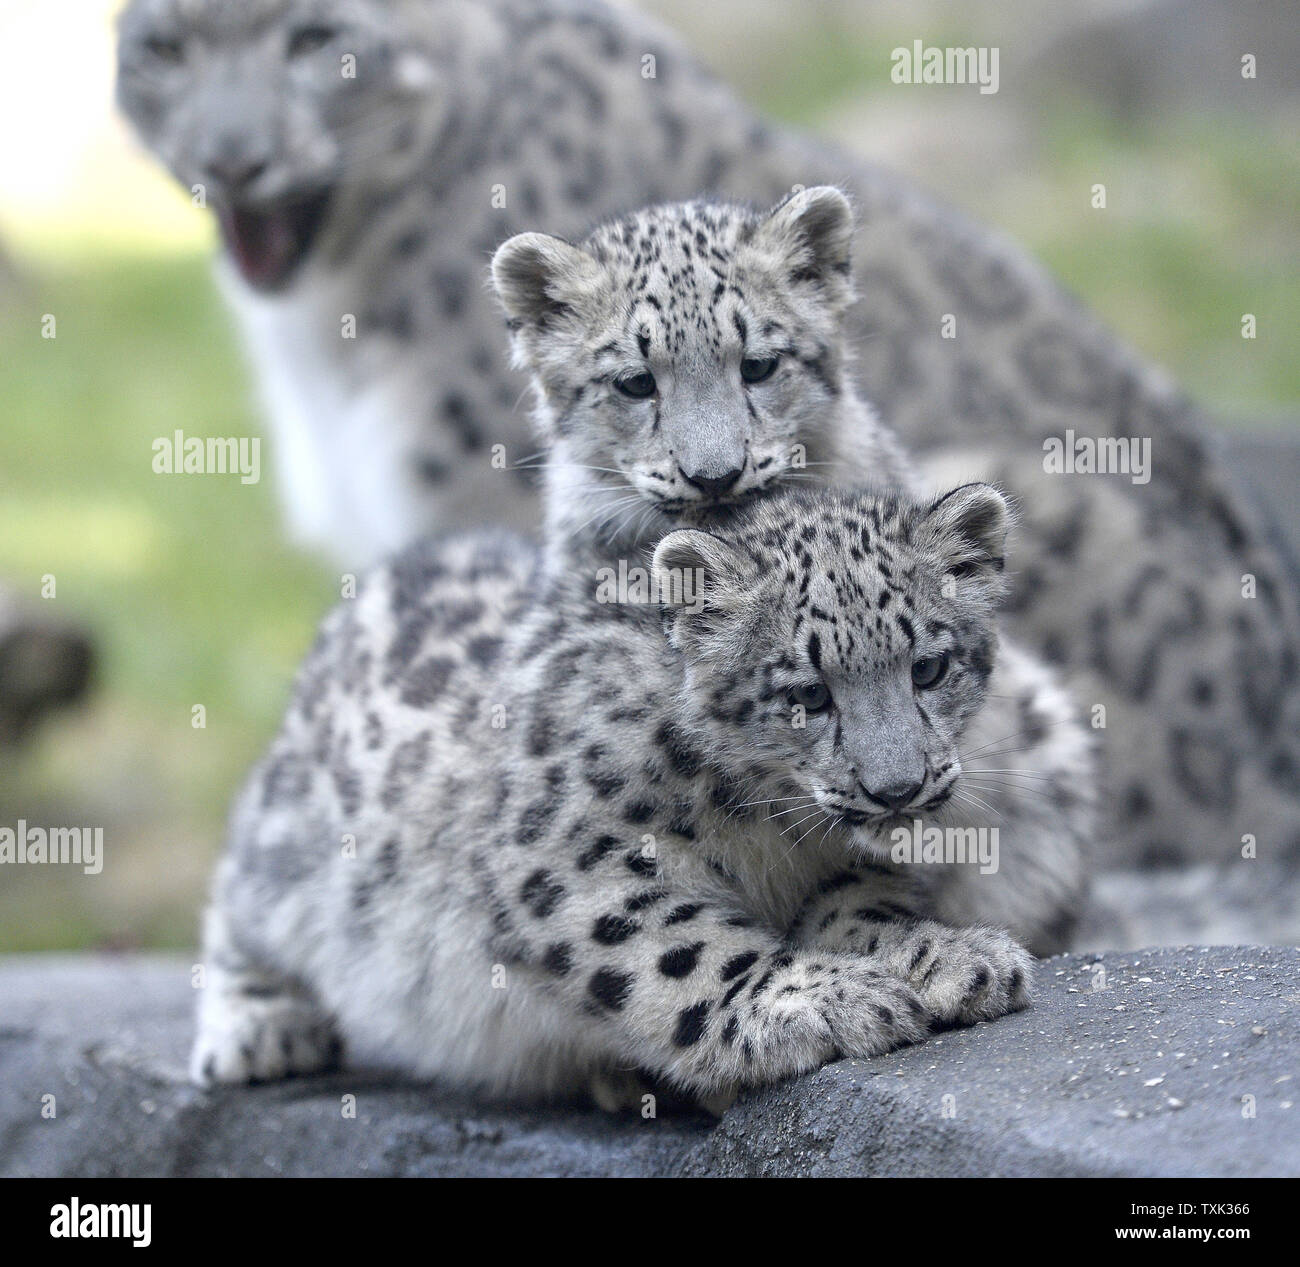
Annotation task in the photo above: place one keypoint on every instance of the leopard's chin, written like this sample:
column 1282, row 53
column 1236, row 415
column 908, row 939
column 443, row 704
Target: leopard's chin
column 716, row 511
column 871, row 838
column 267, row 242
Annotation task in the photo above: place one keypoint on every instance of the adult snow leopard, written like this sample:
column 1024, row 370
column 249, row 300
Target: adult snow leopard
column 365, row 158
column 530, row 839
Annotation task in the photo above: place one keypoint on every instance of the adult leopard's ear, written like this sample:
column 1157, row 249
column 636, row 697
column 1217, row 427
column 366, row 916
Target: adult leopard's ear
column 704, row 584
column 966, row 530
column 811, row 232
column 538, row 277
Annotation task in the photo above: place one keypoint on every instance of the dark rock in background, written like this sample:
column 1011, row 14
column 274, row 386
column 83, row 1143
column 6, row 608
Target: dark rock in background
column 1177, row 54
column 45, row 663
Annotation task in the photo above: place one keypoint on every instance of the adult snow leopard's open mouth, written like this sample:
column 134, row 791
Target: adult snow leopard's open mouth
column 268, row 242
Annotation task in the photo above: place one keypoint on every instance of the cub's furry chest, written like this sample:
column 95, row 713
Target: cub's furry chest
column 768, row 860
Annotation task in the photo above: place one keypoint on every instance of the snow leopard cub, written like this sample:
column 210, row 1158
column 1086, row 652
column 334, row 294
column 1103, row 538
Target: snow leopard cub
column 689, row 357
column 529, row 840
column 692, row 354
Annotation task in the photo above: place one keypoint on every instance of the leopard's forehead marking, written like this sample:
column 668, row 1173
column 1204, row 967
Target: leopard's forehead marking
column 855, row 612
column 672, row 268
column 857, row 594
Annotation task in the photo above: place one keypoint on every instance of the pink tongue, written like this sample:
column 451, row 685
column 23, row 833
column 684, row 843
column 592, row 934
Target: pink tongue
column 263, row 243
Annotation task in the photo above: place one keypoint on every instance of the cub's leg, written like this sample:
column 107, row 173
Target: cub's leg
column 961, row 975
column 706, row 999
column 254, row 1025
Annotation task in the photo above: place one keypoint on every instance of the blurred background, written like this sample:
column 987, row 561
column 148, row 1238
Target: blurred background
column 185, row 586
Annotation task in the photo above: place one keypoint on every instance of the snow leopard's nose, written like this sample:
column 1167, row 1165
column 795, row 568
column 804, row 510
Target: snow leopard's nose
column 233, row 159
column 713, row 485
column 235, row 172
column 893, row 795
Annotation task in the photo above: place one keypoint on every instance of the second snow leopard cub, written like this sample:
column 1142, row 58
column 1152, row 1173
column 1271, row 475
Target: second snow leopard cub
column 531, row 842
column 691, row 354
column 689, row 357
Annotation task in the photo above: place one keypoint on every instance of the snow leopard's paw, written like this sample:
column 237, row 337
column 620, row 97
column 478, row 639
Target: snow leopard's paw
column 260, row 1039
column 963, row 975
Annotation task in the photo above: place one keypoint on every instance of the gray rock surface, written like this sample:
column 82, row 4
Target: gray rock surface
column 1186, row 1062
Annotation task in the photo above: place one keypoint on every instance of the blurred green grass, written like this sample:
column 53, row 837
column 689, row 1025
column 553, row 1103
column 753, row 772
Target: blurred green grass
column 1201, row 228
column 192, row 595
column 196, row 599
column 1201, row 225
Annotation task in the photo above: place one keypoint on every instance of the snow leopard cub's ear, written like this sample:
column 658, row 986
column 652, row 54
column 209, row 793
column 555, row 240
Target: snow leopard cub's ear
column 538, row 277
column 706, row 588
column 811, row 233
column 966, row 531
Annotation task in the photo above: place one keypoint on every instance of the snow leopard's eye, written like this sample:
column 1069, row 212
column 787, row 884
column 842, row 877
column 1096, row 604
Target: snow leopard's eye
column 163, row 48
column 638, row 386
column 812, row 696
column 309, row 39
column 929, row 671
column 757, row 369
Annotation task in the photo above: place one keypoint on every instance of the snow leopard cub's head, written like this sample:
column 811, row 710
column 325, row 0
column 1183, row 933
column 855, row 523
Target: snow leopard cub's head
column 273, row 111
column 838, row 643
column 682, row 354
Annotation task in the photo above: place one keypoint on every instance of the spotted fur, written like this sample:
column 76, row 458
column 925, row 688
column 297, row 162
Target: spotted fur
column 471, row 120
column 688, row 294
column 527, row 840
column 729, row 319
